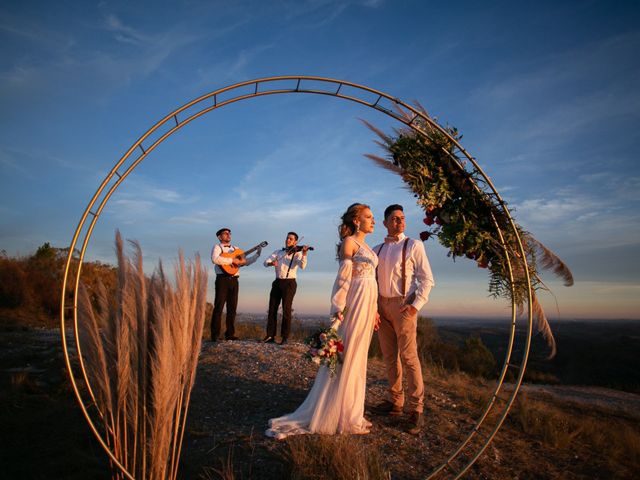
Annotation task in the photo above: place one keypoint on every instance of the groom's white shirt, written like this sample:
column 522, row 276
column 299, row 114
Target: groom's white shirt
column 418, row 275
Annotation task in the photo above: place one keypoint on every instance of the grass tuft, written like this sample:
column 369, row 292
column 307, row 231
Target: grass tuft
column 340, row 456
column 617, row 439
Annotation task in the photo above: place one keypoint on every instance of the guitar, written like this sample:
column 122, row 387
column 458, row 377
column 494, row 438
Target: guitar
column 238, row 253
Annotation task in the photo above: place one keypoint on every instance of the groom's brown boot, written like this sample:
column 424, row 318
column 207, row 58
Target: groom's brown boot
column 387, row 408
column 416, row 422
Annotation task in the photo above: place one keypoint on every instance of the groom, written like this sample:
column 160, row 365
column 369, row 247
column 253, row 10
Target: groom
column 404, row 282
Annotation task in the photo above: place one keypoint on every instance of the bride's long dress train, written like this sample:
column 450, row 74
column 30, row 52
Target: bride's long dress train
column 336, row 404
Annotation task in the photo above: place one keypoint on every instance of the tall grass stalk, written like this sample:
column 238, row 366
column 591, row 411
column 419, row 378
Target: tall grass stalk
column 141, row 356
column 336, row 456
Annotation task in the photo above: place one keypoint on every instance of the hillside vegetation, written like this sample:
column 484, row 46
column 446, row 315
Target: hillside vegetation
column 30, row 286
column 240, row 385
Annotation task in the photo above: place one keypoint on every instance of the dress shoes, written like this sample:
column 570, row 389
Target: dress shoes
column 283, row 341
column 233, row 337
column 387, row 408
column 416, row 422
column 268, row 339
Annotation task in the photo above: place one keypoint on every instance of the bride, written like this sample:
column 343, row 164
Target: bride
column 335, row 404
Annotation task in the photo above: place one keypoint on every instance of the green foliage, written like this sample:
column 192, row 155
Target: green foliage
column 44, row 274
column 466, row 214
column 476, row 359
column 466, row 220
column 473, row 357
column 46, row 252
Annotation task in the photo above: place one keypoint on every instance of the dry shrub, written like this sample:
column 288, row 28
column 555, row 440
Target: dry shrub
column 256, row 330
column 23, row 382
column 14, row 288
column 225, row 472
column 472, row 393
column 336, row 456
column 551, row 425
column 535, row 376
column 616, row 439
column 250, row 331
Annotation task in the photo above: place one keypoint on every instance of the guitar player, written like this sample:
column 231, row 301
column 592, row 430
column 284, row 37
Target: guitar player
column 227, row 286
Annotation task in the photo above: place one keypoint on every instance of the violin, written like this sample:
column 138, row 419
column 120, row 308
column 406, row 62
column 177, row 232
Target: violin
column 297, row 248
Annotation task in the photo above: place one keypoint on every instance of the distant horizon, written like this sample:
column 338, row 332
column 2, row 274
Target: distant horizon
column 478, row 318
column 544, row 96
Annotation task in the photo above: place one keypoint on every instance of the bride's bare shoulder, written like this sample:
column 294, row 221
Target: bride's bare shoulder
column 349, row 247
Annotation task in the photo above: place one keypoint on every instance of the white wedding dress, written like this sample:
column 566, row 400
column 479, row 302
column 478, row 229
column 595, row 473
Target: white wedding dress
column 336, row 404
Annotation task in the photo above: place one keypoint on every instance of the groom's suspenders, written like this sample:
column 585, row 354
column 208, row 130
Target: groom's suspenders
column 403, row 266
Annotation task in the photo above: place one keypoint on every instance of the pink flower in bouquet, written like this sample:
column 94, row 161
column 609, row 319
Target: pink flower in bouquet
column 325, row 347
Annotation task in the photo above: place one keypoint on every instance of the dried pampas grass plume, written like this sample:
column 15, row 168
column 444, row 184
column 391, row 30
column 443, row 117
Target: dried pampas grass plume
column 141, row 355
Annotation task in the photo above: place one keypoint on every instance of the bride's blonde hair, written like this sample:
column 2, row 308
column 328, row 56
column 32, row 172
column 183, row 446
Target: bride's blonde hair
column 348, row 226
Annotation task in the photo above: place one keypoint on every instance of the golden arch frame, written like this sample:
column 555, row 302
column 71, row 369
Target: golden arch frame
column 496, row 408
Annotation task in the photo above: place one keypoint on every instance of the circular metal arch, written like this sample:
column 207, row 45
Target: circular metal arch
column 497, row 407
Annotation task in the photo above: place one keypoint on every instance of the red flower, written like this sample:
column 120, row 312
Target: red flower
column 483, row 263
column 428, row 220
column 439, row 221
column 340, row 347
column 424, row 236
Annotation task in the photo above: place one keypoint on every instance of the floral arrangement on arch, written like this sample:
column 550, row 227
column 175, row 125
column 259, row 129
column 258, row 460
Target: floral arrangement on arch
column 463, row 215
column 325, row 348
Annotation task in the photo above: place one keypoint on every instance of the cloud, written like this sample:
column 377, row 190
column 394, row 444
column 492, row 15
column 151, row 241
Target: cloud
column 143, row 187
column 87, row 62
column 10, row 163
column 597, row 211
column 132, row 207
column 566, row 94
column 123, row 33
column 322, row 11
column 372, row 3
column 140, row 200
column 621, row 289
column 230, row 68
column 30, row 162
column 35, row 33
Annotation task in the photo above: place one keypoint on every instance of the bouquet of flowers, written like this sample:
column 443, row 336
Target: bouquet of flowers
column 325, row 348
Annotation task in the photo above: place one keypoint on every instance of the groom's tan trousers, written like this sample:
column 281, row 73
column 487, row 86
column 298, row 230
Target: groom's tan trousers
column 397, row 337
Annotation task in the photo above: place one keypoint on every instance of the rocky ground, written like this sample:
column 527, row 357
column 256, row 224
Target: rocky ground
column 241, row 384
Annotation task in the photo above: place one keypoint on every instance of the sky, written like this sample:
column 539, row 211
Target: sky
column 544, row 93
